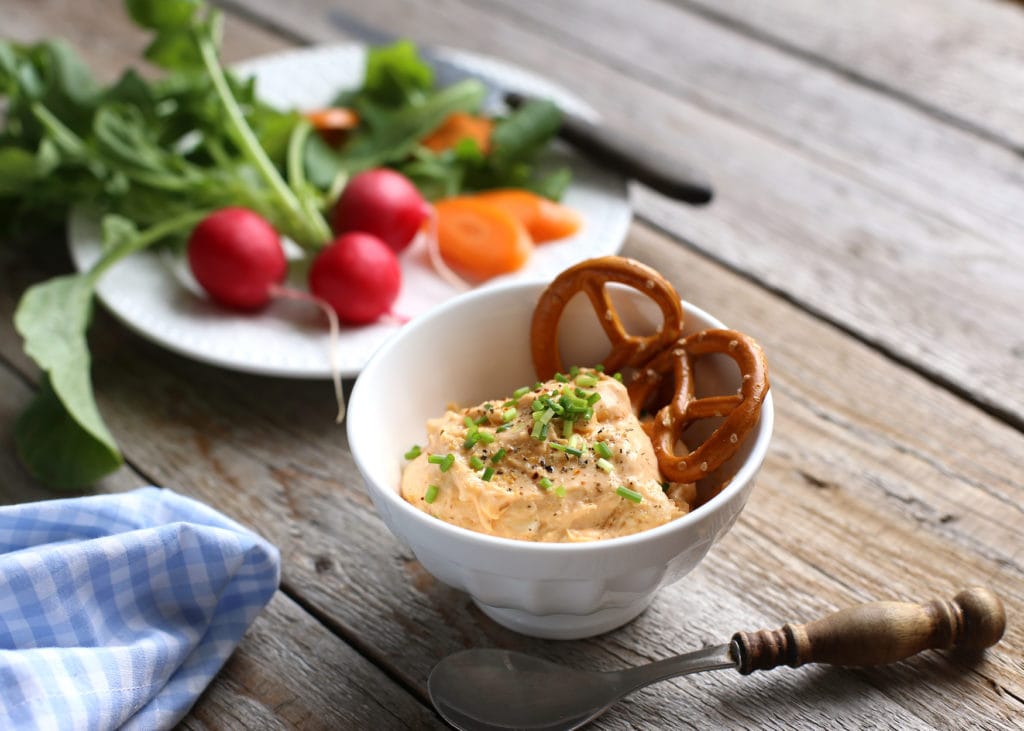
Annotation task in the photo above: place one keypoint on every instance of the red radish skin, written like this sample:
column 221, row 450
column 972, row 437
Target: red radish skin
column 236, row 256
column 384, row 203
column 358, row 275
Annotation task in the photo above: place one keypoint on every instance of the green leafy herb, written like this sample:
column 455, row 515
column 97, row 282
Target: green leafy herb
column 628, row 494
column 444, row 462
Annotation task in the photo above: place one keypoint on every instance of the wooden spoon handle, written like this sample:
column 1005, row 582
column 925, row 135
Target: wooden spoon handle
column 877, row 633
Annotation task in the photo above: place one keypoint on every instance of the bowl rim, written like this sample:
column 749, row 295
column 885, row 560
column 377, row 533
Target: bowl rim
column 739, row 482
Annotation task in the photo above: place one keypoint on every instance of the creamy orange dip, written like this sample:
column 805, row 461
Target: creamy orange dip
column 498, row 469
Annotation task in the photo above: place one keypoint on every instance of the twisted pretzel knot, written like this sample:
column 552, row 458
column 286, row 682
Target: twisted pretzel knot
column 741, row 410
column 591, row 277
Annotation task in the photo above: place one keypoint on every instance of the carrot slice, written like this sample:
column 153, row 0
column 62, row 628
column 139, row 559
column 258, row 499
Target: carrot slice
column 333, row 123
column 480, row 240
column 458, row 126
column 544, row 219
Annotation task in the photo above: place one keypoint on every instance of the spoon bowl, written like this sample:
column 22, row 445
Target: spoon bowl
column 491, row 689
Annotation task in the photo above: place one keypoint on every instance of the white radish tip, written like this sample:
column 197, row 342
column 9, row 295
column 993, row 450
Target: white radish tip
column 332, row 321
column 436, row 260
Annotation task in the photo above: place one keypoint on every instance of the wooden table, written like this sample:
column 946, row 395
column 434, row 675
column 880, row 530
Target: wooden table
column 867, row 230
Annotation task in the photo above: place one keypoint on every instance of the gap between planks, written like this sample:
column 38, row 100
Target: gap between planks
column 934, row 111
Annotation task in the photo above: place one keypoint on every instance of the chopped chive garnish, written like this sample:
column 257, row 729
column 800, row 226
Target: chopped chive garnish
column 481, row 420
column 476, row 463
column 509, row 414
column 442, row 461
column 508, row 403
column 504, row 427
column 617, row 376
column 561, row 378
column 485, row 437
column 605, row 465
column 588, row 414
column 431, row 494
column 586, row 380
column 567, row 427
column 577, row 442
column 537, row 405
column 539, row 430
column 545, row 483
column 471, row 440
column 468, row 422
column 603, row 450
column 560, row 491
column 599, row 368
column 414, row 452
column 547, row 416
column 593, row 398
column 567, row 449
column 487, row 475
column 520, row 392
column 630, row 495
column 574, row 371
column 499, row 455
column 537, row 385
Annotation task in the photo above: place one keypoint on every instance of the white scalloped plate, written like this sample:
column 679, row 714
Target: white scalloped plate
column 154, row 295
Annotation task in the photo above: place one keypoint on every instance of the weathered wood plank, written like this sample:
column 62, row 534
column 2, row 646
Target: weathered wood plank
column 291, row 672
column 865, row 495
column 104, row 34
column 873, row 489
column 960, row 59
column 898, row 272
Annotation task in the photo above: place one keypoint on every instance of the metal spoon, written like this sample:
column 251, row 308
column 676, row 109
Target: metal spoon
column 488, row 689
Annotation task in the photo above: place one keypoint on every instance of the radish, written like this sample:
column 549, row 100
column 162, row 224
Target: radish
column 236, row 255
column 384, row 203
column 358, row 275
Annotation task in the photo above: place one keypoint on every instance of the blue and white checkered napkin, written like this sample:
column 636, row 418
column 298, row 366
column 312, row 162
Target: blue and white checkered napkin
column 118, row 610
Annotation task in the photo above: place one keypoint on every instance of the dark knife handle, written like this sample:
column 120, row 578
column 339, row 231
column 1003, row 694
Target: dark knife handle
column 630, row 157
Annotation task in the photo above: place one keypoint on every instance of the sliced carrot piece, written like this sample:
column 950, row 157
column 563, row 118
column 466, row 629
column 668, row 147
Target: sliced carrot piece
column 544, row 219
column 333, row 123
column 480, row 240
column 458, row 126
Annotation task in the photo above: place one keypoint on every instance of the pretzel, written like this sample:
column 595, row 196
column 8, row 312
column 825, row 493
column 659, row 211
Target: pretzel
column 591, row 277
column 741, row 410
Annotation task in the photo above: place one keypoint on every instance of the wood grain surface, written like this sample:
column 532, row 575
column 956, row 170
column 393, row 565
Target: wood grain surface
column 956, row 59
column 886, row 297
column 879, row 249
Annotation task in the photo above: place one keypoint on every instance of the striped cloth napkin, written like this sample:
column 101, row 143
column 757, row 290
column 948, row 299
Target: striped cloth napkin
column 118, row 610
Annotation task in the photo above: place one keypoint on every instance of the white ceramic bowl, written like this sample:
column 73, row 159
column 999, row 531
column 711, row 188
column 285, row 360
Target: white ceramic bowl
column 474, row 348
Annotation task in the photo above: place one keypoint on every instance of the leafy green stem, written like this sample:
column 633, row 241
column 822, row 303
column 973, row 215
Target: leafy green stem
column 296, row 144
column 63, row 136
column 318, row 230
column 145, row 239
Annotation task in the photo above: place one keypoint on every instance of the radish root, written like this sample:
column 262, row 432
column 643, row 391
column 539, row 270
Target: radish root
column 436, row 260
column 332, row 320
